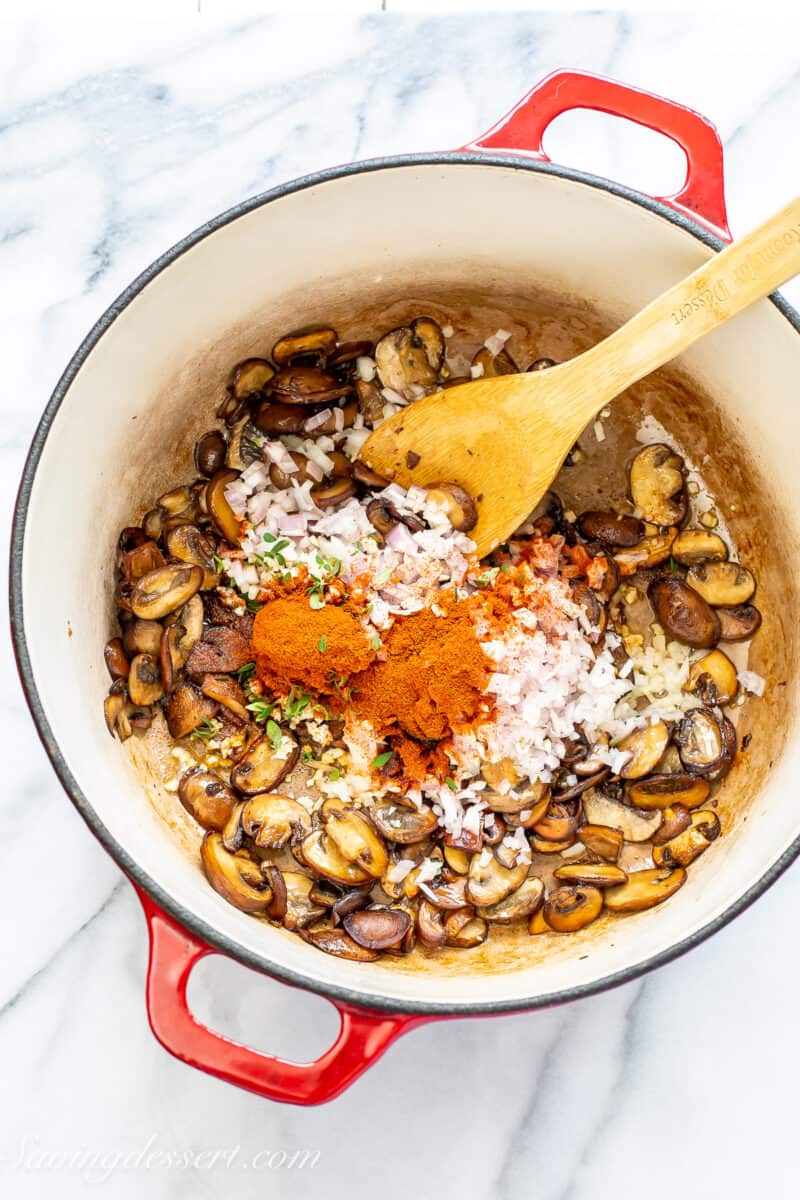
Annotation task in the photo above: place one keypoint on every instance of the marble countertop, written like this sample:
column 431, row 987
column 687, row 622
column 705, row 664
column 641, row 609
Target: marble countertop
column 113, row 143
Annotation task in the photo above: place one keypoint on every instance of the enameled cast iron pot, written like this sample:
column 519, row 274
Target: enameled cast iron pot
column 494, row 228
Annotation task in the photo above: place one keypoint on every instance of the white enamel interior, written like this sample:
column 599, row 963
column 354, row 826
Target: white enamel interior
column 122, row 430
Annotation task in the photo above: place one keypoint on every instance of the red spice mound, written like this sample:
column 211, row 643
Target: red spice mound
column 296, row 644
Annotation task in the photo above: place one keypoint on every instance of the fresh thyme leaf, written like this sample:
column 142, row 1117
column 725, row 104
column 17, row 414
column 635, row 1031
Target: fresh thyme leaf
column 488, row 576
column 322, row 644
column 382, row 759
column 269, row 537
column 673, row 566
column 219, row 565
column 316, row 601
column 206, row 729
column 308, row 753
column 274, row 734
column 451, row 783
column 334, row 775
column 246, row 672
column 296, row 703
column 254, row 606
column 261, row 710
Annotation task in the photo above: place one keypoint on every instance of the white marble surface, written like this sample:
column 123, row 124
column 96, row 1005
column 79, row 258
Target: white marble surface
column 113, row 143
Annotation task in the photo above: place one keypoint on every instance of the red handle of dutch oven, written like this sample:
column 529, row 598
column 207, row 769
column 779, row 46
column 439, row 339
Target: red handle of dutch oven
column 364, row 1035
column 174, row 952
column 521, row 131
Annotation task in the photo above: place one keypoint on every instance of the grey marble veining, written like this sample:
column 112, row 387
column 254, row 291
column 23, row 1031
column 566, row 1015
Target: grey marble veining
column 113, row 144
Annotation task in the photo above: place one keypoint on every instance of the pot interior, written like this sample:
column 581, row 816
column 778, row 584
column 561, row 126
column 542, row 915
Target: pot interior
column 559, row 263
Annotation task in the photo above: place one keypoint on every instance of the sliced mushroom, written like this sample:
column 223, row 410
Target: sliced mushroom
column 340, row 944
column 739, row 623
column 116, row 660
column 186, row 709
column 327, row 495
column 190, row 617
column 348, row 352
column 264, row 766
column 227, row 692
column 602, row 840
column 706, row 742
column 139, row 561
column 170, row 656
column 401, row 824
column 144, row 680
column 180, row 502
column 209, row 452
column 519, row 903
column 222, row 515
column 188, row 544
column 636, row 827
column 431, row 925
column 613, row 529
column 370, row 401
column 283, row 479
column 356, row 838
column 675, row 818
column 244, row 446
column 494, row 364
column 571, row 908
column 207, row 798
column 595, row 612
column 235, row 876
column 457, row 859
column 722, row 583
column 532, row 799
column 457, row 503
column 446, row 893
column 646, row 747
column 662, row 791
column 276, row 419
column 464, row 930
column 349, row 902
column 688, row 845
column 322, row 855
column 251, row 375
column 402, row 362
column 307, row 385
column 152, row 523
column 428, row 334
column 542, row 364
column 650, row 552
column 645, row 889
column 559, row 823
column 302, row 906
column 714, row 678
column 367, row 477
column 164, row 590
column 599, row 875
column 658, row 485
column 272, row 820
column 220, row 651
column 489, row 881
column 377, row 928
column 697, row 546
column 116, row 711
column 683, row 613
column 312, row 345
column 382, row 515
column 142, row 637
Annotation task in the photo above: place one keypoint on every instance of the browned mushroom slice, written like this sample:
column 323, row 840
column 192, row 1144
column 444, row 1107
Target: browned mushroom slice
column 265, row 765
column 739, row 623
column 698, row 545
column 349, row 902
column 152, row 523
column 190, row 617
column 355, row 838
column 312, row 345
column 683, row 613
column 276, row 910
column 235, row 876
column 458, row 505
column 164, row 590
column 222, row 515
column 209, row 452
column 322, row 855
column 139, row 561
column 573, row 908
column 186, row 709
column 272, row 820
column 635, row 826
column 179, row 502
column 307, row 385
column 456, row 859
column 377, row 928
column 370, row 401
column 688, row 845
column 531, row 798
column 227, row 692
column 367, row 477
column 276, row 419
column 221, row 651
column 706, row 742
column 675, row 818
column 170, row 655
column 645, row 889
column 519, row 903
column 613, row 529
column 207, row 798
column 558, row 824
column 446, row 893
column 283, row 479
column 144, row 680
column 188, row 544
column 348, row 352
column 326, row 495
column 251, row 375
column 428, row 334
column 599, row 875
column 595, row 612
column 116, row 659
column 334, row 423
column 658, row 485
column 537, row 924
column 342, row 467
column 431, row 925
column 401, row 824
column 340, row 944
column 545, row 846
column 602, row 840
column 116, row 709
column 494, row 364
column 302, row 906
column 142, row 637
column 661, row 791
column 646, row 747
column 714, row 678
column 402, row 363
column 489, row 881
column 464, row 930
column 382, row 515
column 650, row 552
column 722, row 583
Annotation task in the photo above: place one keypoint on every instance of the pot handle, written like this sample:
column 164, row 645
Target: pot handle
column 521, row 130
column 362, row 1039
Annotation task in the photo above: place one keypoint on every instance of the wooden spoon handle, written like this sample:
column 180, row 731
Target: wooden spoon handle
column 744, row 272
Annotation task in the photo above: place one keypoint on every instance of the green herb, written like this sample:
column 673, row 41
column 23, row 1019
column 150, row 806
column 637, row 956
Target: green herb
column 261, row 710
column 487, row 577
column 296, row 703
column 246, row 672
column 673, row 566
column 274, row 734
column 206, row 729
column 269, row 537
column 505, row 568
column 316, row 600
column 308, row 754
column 331, row 566
column 322, row 644
column 219, row 565
column 382, row 759
column 254, row 606
column 334, row 775
column 381, row 578
column 451, row 783
column 375, row 642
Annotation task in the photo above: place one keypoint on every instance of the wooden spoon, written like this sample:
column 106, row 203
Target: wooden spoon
column 504, row 439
